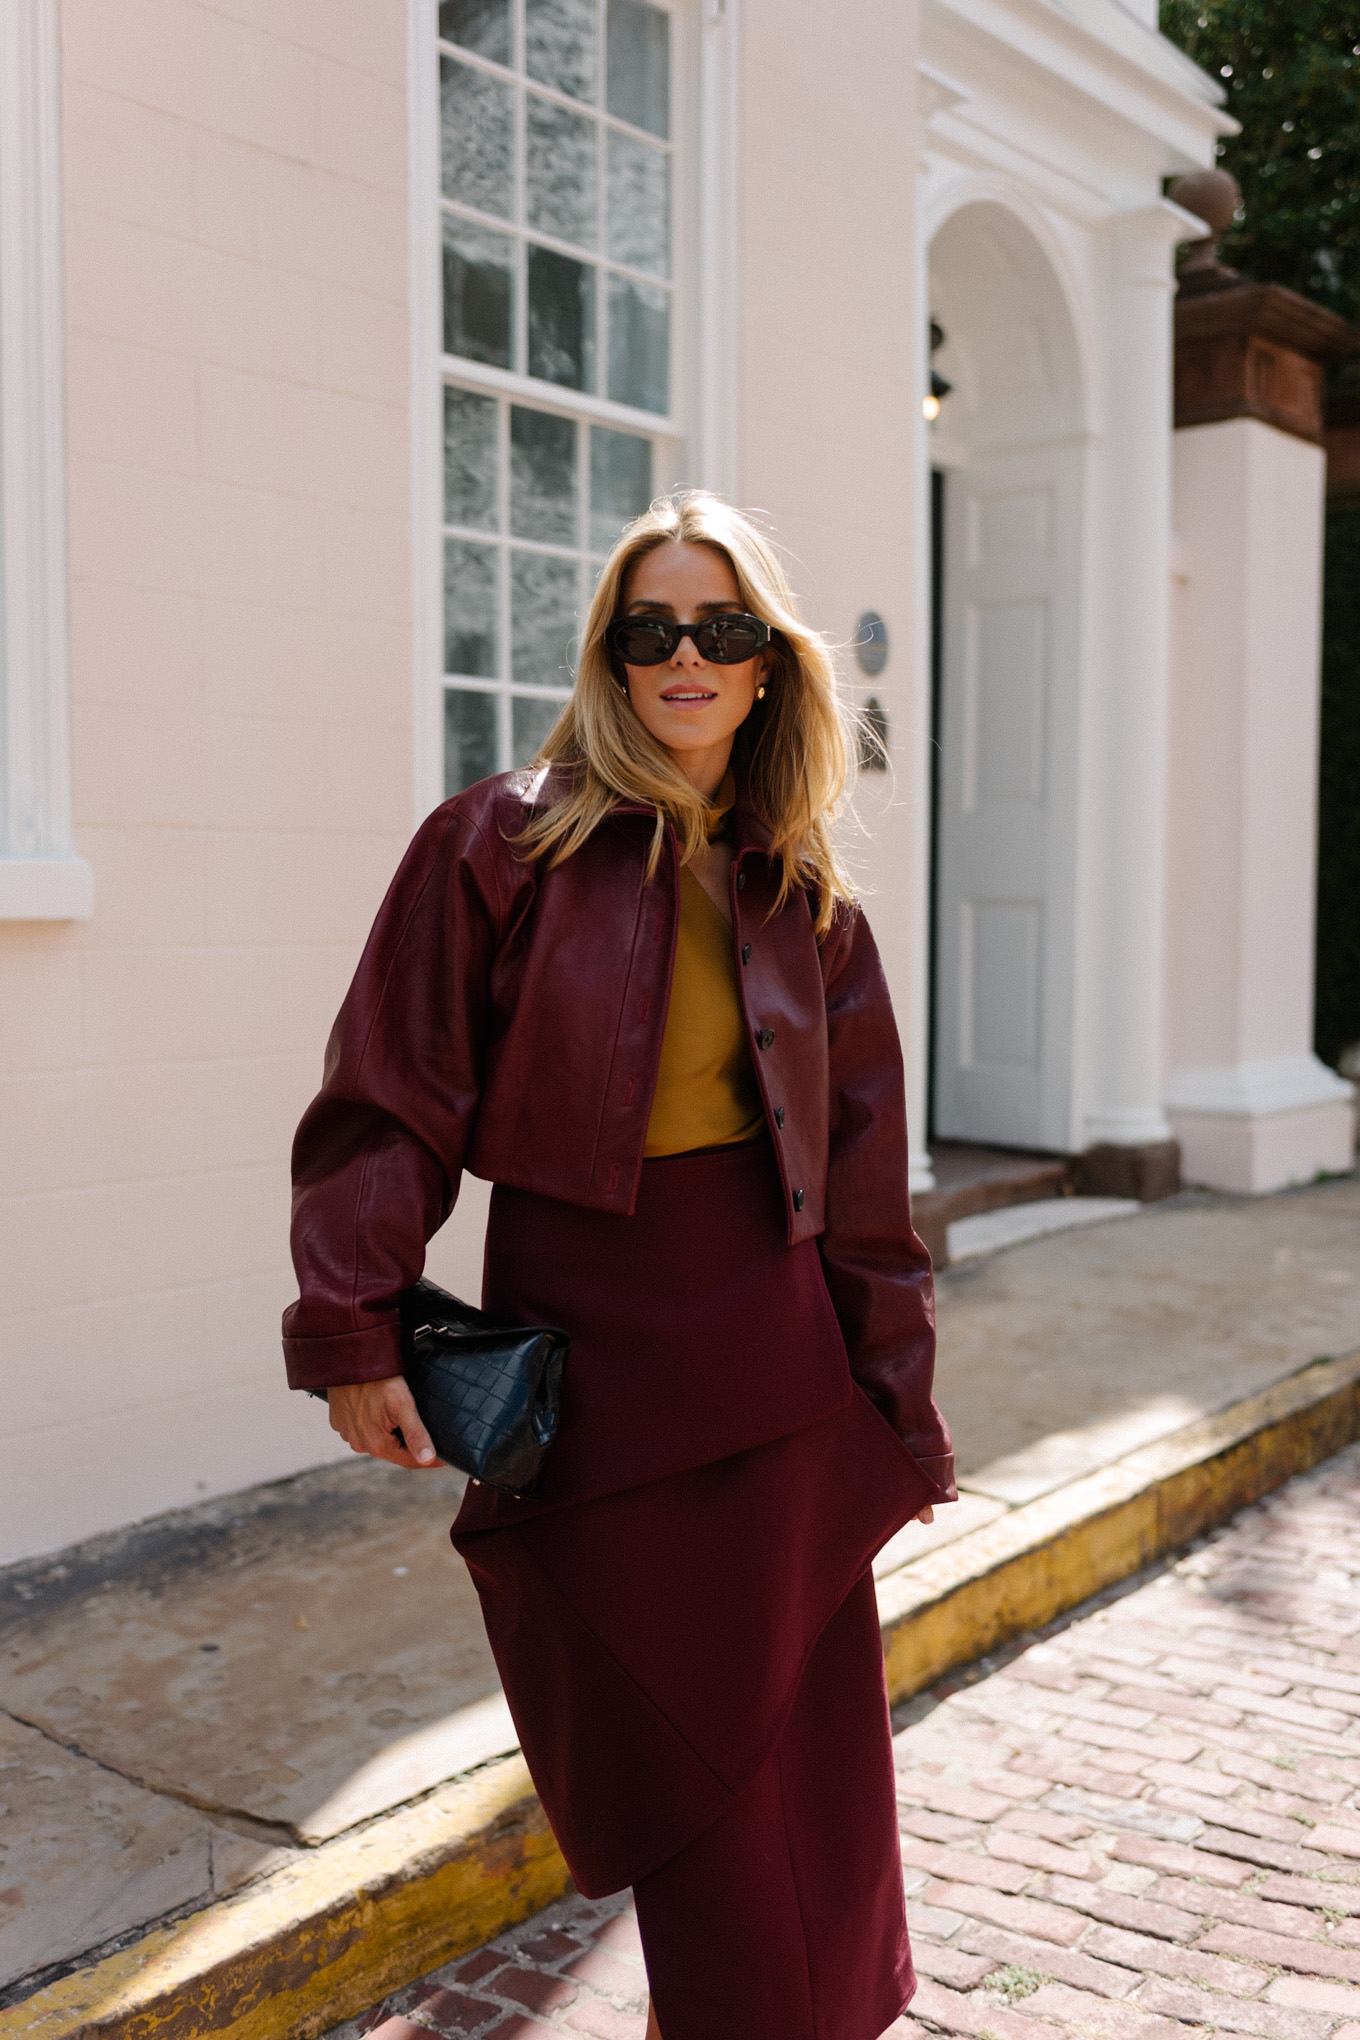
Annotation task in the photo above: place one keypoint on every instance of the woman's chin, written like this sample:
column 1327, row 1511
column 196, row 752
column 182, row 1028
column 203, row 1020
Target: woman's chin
column 685, row 731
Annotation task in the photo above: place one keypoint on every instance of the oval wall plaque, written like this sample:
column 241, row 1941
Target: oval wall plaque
column 871, row 643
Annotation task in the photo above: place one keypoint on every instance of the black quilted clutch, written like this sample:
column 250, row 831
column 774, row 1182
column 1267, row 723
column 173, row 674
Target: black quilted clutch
column 489, row 1395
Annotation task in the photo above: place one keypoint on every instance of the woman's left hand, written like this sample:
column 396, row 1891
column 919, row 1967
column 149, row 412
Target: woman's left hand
column 927, row 1515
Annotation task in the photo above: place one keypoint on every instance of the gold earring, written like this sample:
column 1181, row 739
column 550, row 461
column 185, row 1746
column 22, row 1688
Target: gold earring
column 760, row 691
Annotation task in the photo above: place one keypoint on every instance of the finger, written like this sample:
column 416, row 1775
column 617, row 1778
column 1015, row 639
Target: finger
column 398, row 1455
column 400, row 1414
column 927, row 1515
column 383, row 1445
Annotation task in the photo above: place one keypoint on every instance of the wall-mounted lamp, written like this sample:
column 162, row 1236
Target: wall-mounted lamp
column 873, row 736
column 939, row 388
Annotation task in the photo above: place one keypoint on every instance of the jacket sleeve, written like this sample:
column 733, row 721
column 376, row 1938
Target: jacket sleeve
column 379, row 1152
column 877, row 1270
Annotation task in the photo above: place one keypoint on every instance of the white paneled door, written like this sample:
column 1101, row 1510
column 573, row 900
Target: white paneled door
column 1005, row 880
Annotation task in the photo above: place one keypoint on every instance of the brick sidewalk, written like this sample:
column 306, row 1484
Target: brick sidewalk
column 1144, row 1823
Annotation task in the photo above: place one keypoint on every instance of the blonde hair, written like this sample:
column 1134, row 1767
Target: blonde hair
column 795, row 750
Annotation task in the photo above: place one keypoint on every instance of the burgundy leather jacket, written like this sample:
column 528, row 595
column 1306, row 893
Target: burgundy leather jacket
column 507, row 1019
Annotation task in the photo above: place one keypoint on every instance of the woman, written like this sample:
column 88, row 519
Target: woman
column 632, row 989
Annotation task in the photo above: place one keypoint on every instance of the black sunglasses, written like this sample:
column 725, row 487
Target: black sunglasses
column 722, row 640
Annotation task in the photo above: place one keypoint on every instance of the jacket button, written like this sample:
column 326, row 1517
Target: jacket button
column 797, row 1200
column 741, row 881
column 746, row 952
column 765, row 1037
column 779, row 1115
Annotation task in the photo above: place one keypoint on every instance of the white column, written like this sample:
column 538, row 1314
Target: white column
column 41, row 878
column 1251, row 1105
column 914, row 769
column 1122, row 854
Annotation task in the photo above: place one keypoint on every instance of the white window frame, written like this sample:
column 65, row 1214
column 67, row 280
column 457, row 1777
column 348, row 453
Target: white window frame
column 697, row 440
column 41, row 878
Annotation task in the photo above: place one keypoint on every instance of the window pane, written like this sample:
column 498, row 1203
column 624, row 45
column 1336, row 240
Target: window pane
column 477, row 131
column 560, row 171
column 542, row 618
column 639, row 65
column 542, row 476
column 480, row 25
column 478, row 292
column 469, row 738
column 531, row 720
column 639, row 204
column 561, row 319
column 469, row 459
column 469, row 609
column 620, row 483
column 639, row 344
column 560, row 45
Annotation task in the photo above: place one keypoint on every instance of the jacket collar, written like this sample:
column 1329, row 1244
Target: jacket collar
column 552, row 783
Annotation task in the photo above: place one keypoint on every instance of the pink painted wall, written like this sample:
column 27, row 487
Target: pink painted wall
column 236, row 285
column 832, row 376
column 241, row 594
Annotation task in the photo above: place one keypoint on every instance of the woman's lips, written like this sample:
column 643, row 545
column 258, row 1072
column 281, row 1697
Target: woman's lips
column 687, row 694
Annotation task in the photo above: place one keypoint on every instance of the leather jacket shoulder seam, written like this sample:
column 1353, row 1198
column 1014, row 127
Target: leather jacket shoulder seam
column 400, row 942
column 493, row 859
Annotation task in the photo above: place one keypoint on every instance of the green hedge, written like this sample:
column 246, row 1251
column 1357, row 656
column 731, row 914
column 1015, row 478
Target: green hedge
column 1337, row 1012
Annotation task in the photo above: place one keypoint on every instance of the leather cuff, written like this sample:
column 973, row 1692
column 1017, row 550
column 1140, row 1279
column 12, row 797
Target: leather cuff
column 337, row 1359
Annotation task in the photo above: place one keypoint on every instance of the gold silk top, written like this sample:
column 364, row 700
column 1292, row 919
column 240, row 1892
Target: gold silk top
column 706, row 1090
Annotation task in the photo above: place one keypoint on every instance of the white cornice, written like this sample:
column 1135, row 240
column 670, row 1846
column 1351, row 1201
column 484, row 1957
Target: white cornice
column 935, row 93
column 1095, row 49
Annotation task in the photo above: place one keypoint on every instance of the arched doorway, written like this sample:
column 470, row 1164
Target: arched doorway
column 1009, row 631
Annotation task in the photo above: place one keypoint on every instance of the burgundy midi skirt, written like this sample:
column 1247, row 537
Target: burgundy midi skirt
column 683, row 1616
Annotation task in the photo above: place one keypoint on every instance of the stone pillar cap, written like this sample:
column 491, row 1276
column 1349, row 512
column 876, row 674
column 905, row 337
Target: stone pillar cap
column 1257, row 350
column 1267, row 311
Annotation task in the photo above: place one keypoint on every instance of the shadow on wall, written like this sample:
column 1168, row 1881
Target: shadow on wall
column 1337, row 1009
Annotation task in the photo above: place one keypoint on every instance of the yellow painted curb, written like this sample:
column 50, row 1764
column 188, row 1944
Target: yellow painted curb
column 345, row 1924
column 328, row 1936
column 1031, row 1565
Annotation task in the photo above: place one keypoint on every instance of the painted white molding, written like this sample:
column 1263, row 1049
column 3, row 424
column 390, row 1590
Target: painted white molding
column 912, row 760
column 427, row 434
column 957, row 188
column 1134, row 1126
column 1099, row 54
column 46, row 889
column 1122, row 845
column 935, row 93
column 1255, row 1090
column 505, row 382
column 42, row 878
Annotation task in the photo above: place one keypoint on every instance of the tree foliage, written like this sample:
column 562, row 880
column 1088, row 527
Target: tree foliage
column 1292, row 72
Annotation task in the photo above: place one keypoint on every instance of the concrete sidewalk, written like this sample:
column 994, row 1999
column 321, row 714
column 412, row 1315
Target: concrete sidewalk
column 203, row 1703
column 1141, row 1827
